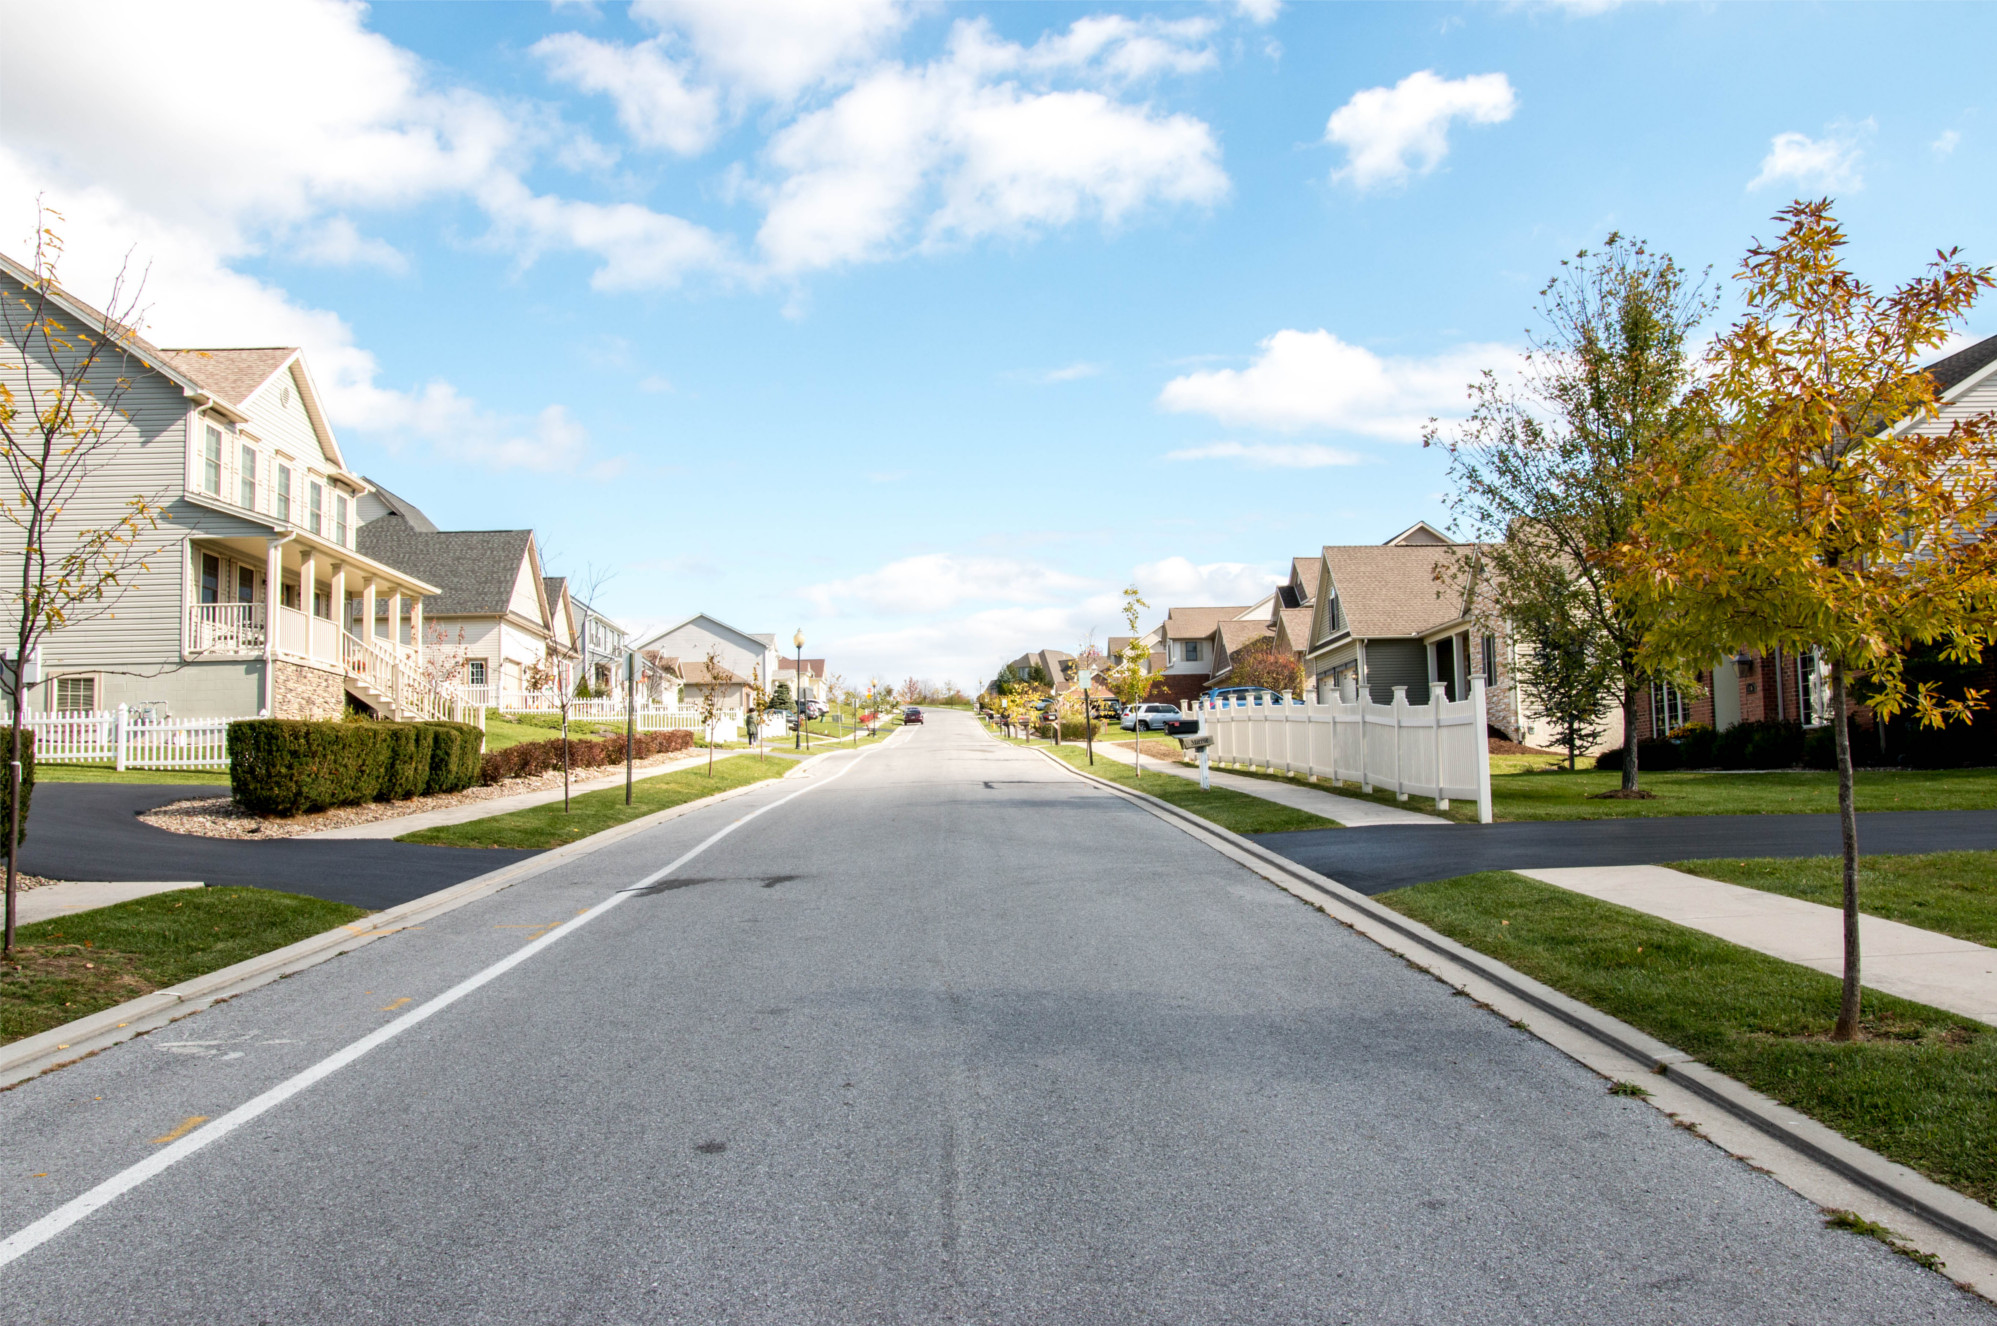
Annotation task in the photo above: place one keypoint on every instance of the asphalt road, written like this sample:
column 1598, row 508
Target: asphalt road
column 951, row 1037
column 1377, row 859
column 92, row 831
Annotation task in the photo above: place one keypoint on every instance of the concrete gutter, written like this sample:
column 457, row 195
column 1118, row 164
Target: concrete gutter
column 1949, row 1211
column 33, row 1055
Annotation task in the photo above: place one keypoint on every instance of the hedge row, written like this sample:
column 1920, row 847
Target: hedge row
column 539, row 757
column 281, row 766
column 1757, row 745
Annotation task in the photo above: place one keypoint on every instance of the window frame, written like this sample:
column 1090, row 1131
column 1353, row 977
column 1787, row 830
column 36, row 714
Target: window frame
column 88, row 679
column 246, row 476
column 211, row 461
column 315, row 507
column 1189, row 651
column 281, row 492
column 340, row 519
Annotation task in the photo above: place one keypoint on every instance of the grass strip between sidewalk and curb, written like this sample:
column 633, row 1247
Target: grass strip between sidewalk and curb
column 1950, row 893
column 1567, row 796
column 1605, row 1041
column 1235, row 811
column 1919, row 1086
column 69, row 967
column 591, row 813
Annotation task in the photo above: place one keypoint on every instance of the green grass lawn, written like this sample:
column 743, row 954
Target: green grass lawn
column 1920, row 1087
column 73, row 966
column 1565, row 796
column 1952, row 893
column 1230, row 810
column 104, row 773
column 593, row 812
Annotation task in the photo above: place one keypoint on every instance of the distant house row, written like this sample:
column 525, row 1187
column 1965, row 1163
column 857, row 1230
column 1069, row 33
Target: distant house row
column 288, row 584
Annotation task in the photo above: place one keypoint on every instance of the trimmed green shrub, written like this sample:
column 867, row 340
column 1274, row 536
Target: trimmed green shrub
column 27, row 782
column 281, row 766
column 410, row 748
column 1696, row 745
column 454, row 758
column 1653, row 755
column 1763, row 744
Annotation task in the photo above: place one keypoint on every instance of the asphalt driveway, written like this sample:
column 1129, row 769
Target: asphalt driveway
column 92, row 831
column 1391, row 857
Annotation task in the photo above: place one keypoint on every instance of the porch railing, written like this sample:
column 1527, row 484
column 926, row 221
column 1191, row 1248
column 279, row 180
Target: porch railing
column 225, row 628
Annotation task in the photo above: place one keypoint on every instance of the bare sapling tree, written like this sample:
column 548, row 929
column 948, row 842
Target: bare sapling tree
column 553, row 673
column 710, row 701
column 1130, row 679
column 63, row 386
column 759, row 708
column 1547, row 468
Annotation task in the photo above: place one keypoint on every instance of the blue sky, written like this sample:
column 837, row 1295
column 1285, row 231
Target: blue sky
column 928, row 327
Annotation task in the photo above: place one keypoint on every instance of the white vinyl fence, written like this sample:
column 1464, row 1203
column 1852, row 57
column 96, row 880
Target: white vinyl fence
column 127, row 740
column 1438, row 749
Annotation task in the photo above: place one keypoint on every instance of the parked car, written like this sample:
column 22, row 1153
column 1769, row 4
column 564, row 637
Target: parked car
column 814, row 709
column 911, row 715
column 1150, row 717
column 1240, row 695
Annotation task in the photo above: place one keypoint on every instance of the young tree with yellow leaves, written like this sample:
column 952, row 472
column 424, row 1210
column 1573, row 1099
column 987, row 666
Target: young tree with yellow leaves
column 1823, row 503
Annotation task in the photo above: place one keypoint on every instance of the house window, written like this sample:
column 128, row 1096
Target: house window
column 211, row 461
column 75, row 695
column 282, row 493
column 1489, row 645
column 288, row 595
column 1192, row 651
column 475, row 671
column 339, row 520
column 211, row 578
column 1668, row 710
column 246, row 478
column 246, row 585
column 315, row 508
column 1334, row 618
column 1812, row 695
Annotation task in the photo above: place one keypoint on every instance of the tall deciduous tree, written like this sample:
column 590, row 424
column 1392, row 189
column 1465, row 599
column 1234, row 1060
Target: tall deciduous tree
column 62, row 417
column 1823, row 504
column 1130, row 679
column 1545, row 468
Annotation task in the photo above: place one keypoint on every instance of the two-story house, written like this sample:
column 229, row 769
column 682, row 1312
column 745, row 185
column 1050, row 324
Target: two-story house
column 489, row 620
column 742, row 655
column 255, row 595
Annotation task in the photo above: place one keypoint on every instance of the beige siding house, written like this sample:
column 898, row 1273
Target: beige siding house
column 252, row 599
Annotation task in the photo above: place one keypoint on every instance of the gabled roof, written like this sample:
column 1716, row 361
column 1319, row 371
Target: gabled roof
column 813, row 667
column 1963, row 364
column 403, row 507
column 1391, row 590
column 1198, row 623
column 233, row 375
column 1293, row 627
column 1234, row 634
column 699, row 674
column 1303, row 574
column 768, row 641
column 1419, row 534
column 476, row 568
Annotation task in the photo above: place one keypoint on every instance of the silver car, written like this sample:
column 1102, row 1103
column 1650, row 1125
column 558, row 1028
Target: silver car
column 1150, row 717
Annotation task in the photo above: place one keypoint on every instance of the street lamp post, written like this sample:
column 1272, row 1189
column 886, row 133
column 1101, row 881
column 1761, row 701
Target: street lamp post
column 797, row 687
column 1089, row 713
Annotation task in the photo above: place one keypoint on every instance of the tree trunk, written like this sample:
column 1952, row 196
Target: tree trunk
column 13, row 806
column 1848, row 1005
column 1629, row 733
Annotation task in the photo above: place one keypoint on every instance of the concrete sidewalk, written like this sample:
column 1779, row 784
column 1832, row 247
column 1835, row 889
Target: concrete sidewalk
column 1349, row 811
column 31, row 905
column 1902, row 960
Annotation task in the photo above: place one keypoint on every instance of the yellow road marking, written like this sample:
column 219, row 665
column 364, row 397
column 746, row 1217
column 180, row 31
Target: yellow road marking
column 537, row 930
column 187, row 1125
column 390, row 1008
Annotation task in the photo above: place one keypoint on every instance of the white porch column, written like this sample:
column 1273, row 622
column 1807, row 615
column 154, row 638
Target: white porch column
column 308, row 584
column 273, row 591
column 369, row 631
column 336, row 595
column 416, row 624
column 395, row 616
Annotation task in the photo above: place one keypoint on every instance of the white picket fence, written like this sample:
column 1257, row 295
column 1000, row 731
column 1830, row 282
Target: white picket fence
column 127, row 740
column 1438, row 749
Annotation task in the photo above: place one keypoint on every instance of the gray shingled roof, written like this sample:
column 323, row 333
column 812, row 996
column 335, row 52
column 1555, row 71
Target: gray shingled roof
column 1952, row 370
column 476, row 568
column 230, row 375
column 1197, row 623
column 1305, row 569
column 403, row 507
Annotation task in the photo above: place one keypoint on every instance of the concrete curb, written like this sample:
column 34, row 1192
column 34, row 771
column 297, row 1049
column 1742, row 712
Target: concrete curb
column 1948, row 1210
column 33, row 1055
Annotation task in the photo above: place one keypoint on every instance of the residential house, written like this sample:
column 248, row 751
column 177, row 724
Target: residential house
column 564, row 627
column 1189, row 638
column 602, row 646
column 1287, row 626
column 1383, row 618
column 489, row 625
column 1792, row 685
column 1058, row 666
column 730, row 688
column 808, row 685
column 743, row 655
column 257, row 529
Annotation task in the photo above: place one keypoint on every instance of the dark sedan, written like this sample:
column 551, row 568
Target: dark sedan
column 911, row 715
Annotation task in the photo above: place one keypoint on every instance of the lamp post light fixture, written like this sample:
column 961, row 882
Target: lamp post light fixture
column 797, row 687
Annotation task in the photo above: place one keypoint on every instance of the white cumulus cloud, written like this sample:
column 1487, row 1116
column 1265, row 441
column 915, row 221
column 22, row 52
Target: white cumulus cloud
column 1269, row 455
column 939, row 582
column 775, row 49
column 1315, row 380
column 655, row 103
column 1392, row 133
column 1178, row 582
column 1830, row 162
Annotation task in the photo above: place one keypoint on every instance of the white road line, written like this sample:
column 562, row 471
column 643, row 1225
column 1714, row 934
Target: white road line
column 56, row 1221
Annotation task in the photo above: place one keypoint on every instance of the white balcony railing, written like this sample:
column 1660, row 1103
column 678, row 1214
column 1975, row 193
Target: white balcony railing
column 225, row 628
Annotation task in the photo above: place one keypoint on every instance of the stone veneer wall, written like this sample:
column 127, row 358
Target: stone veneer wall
column 298, row 691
